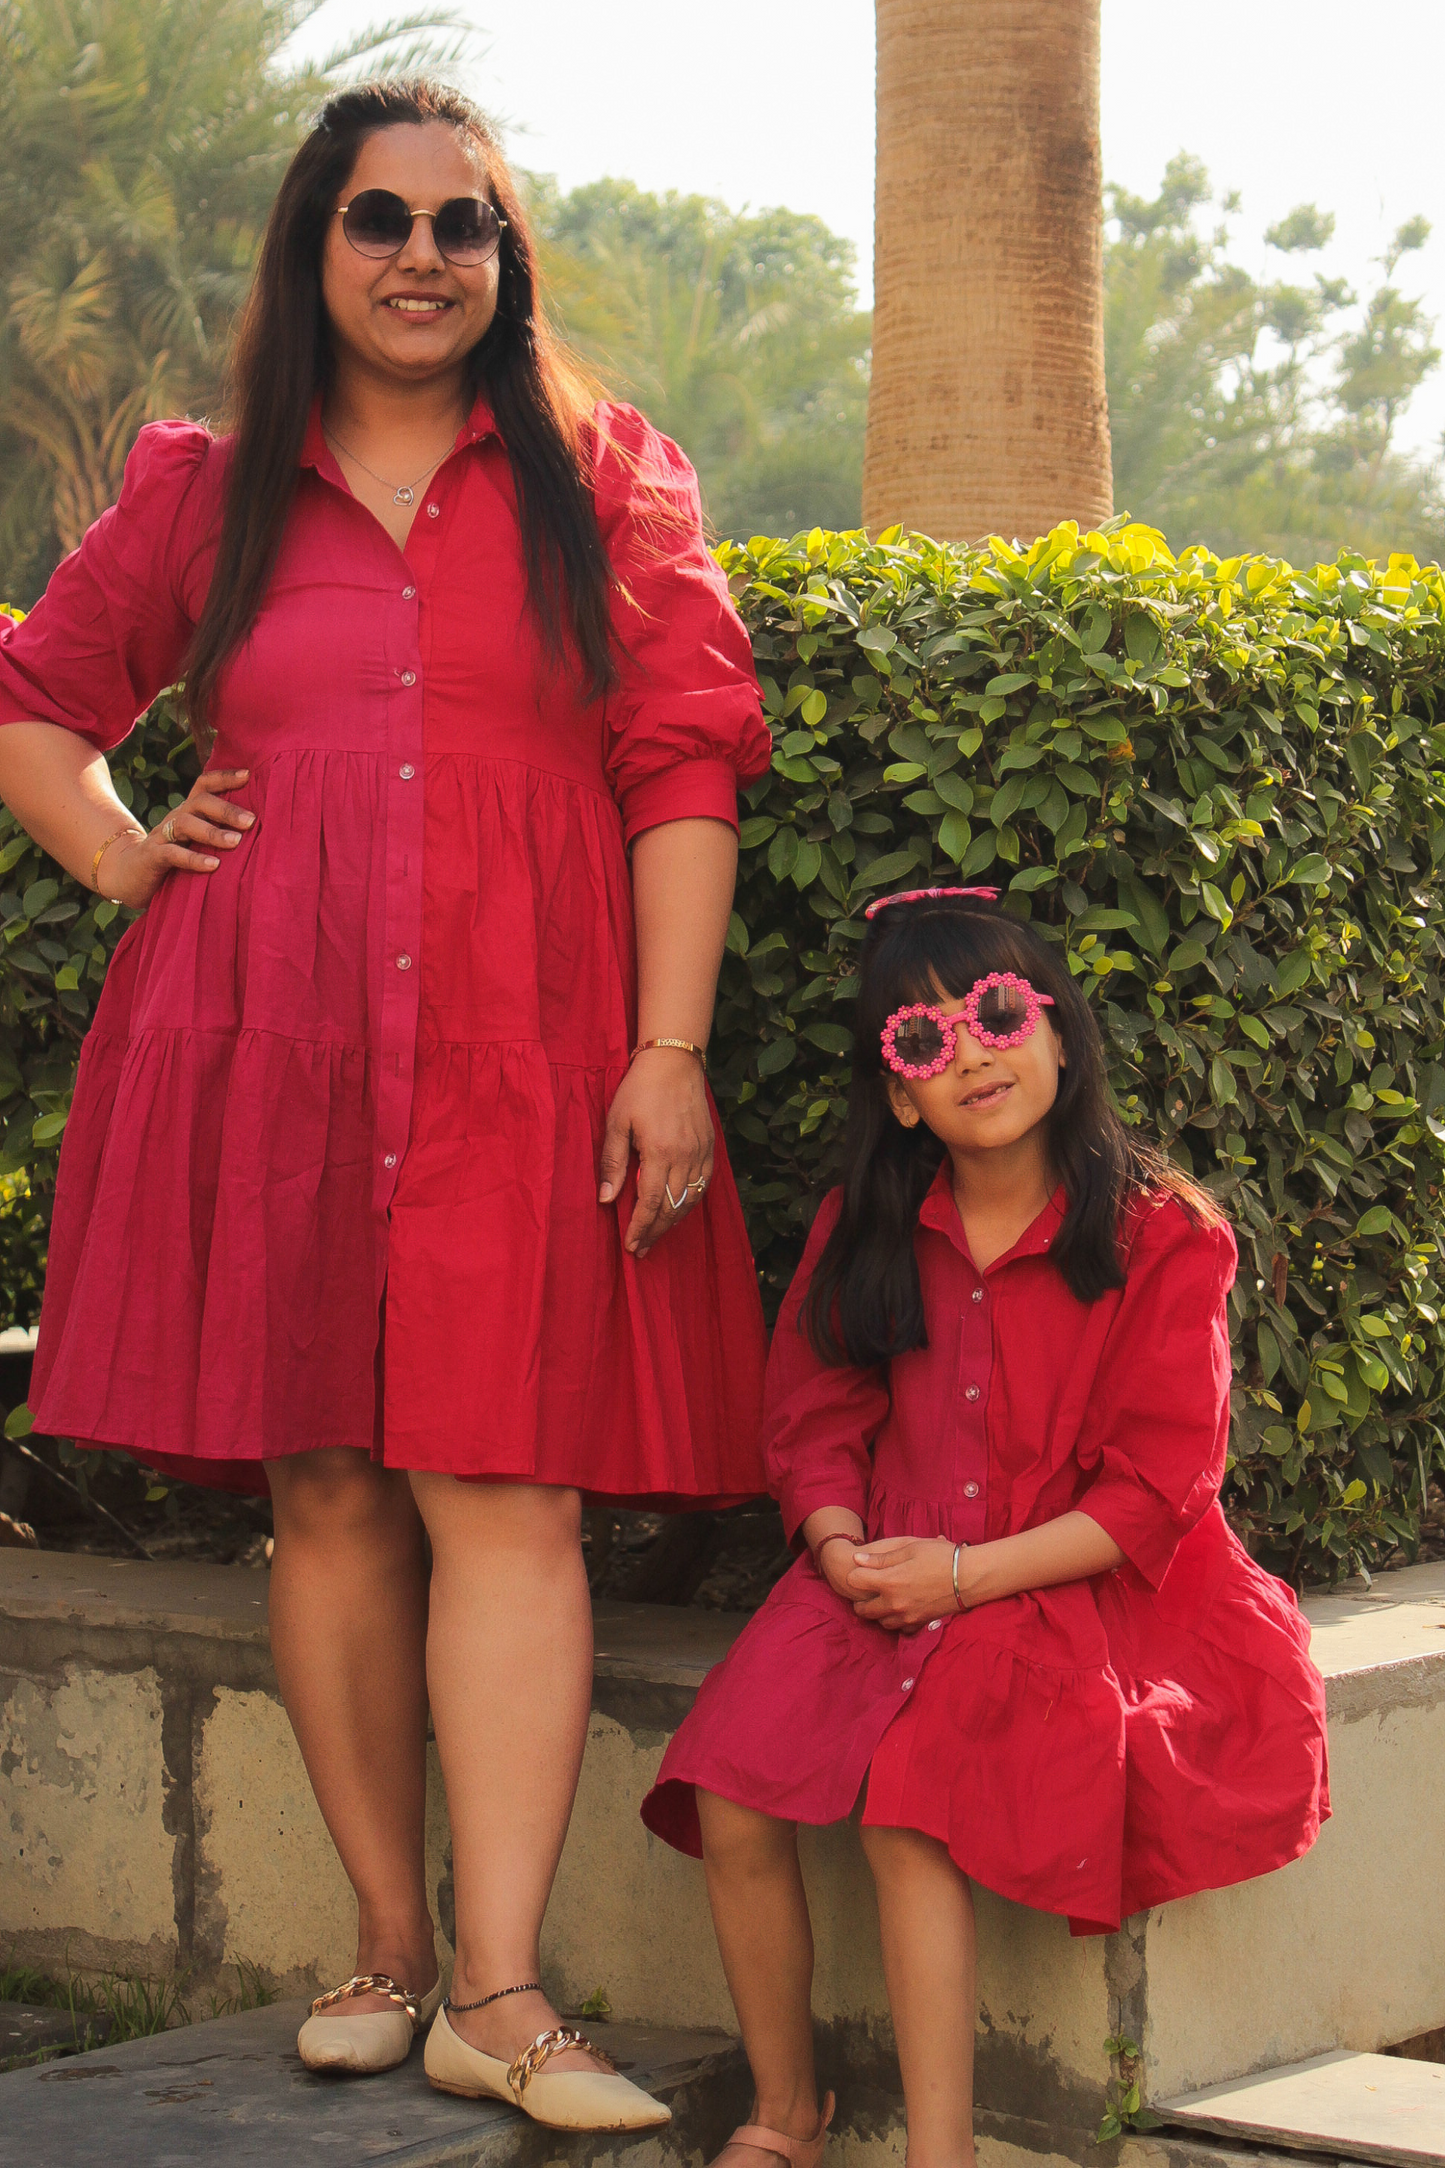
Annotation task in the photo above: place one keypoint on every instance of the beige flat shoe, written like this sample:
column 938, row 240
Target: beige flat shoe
column 561, row 2099
column 368, row 2040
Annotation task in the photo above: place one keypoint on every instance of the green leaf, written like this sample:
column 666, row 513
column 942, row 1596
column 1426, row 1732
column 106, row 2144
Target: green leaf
column 877, row 639
column 892, row 866
column 48, row 1128
column 783, row 853
column 833, row 1038
column 1377, row 1221
column 1012, row 681
column 19, row 1422
column 814, row 708
column 1293, row 972
column 1311, row 871
column 1007, row 799
column 954, row 835
column 753, row 832
column 807, row 865
column 776, row 1055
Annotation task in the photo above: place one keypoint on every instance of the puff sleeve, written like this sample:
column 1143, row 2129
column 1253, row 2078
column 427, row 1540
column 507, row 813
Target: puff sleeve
column 110, row 631
column 819, row 1419
column 685, row 725
column 1158, row 1425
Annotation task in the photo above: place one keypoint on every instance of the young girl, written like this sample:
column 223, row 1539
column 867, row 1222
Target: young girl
column 997, row 1414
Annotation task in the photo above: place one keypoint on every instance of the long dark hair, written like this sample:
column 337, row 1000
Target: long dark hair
column 865, row 1303
column 282, row 358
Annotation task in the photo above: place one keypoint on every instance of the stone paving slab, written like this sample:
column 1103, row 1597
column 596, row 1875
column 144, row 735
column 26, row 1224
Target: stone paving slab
column 233, row 2092
column 1365, row 2107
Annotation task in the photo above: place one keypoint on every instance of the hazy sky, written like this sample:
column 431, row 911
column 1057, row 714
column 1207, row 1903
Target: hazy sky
column 1292, row 101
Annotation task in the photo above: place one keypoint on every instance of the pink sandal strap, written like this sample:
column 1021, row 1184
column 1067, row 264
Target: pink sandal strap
column 802, row 2152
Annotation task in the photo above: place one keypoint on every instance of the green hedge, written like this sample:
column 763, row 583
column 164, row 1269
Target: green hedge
column 1217, row 784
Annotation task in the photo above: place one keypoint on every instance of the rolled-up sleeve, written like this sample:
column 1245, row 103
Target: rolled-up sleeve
column 819, row 1419
column 111, row 629
column 684, row 725
column 1158, row 1425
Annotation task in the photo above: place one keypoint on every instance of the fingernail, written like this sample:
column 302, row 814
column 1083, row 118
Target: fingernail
column 604, row 1195
column 231, row 842
column 210, row 861
column 246, row 819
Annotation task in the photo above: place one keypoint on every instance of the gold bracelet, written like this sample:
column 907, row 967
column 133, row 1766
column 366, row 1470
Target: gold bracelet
column 129, row 830
column 684, row 1045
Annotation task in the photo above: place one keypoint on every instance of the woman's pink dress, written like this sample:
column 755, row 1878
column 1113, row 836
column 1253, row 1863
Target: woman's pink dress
column 1090, row 1749
column 330, row 1177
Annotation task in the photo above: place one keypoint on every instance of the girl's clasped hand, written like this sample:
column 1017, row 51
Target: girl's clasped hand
column 900, row 1582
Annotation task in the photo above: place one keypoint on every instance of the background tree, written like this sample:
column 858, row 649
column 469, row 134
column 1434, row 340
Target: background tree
column 738, row 333
column 143, row 141
column 1262, row 415
column 988, row 409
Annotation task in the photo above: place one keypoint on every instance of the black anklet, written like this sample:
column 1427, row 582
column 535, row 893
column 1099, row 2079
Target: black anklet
column 528, row 1987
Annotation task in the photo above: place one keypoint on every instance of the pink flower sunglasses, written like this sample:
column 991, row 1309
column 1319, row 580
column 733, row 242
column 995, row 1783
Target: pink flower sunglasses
column 1001, row 1010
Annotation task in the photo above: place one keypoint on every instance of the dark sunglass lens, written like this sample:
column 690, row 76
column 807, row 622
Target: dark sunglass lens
column 1003, row 1009
column 377, row 223
column 919, row 1042
column 467, row 230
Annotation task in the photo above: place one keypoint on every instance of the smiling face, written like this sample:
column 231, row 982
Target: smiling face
column 412, row 316
column 988, row 1097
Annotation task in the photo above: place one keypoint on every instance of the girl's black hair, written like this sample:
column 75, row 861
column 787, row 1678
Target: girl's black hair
column 282, row 358
column 864, row 1303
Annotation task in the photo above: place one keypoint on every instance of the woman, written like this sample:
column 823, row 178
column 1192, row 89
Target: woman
column 345, row 1206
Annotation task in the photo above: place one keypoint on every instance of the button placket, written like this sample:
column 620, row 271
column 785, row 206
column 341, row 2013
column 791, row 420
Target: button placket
column 401, row 745
column 975, row 1362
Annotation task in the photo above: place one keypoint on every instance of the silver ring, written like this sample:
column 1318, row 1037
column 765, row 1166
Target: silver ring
column 169, row 830
column 677, row 1203
column 701, row 1184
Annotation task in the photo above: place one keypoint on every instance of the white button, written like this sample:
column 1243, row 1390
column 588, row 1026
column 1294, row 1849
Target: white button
column 408, row 677
column 970, row 1392
column 970, row 1490
column 406, row 771
column 408, row 594
column 390, row 1160
column 978, row 1294
column 934, row 1624
column 906, row 1684
column 403, row 963
column 433, row 511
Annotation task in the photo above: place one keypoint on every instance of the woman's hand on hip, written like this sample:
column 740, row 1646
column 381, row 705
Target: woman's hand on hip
column 660, row 1112
column 193, row 839
column 908, row 1579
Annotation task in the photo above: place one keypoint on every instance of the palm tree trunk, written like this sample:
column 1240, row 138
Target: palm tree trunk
column 988, row 412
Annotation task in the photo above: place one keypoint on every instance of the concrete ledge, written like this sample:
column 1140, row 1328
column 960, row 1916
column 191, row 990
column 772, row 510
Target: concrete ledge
column 161, row 1822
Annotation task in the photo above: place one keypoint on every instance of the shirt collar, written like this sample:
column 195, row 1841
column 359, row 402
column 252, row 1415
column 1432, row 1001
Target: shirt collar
column 316, row 452
column 940, row 1212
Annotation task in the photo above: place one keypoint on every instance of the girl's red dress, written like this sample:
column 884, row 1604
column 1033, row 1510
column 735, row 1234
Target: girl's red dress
column 330, row 1176
column 1090, row 1749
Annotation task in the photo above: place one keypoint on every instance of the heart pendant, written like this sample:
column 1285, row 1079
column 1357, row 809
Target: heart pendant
column 404, row 496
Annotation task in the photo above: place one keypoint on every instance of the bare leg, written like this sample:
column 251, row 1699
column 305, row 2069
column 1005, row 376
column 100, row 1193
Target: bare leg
column 925, row 1912
column 348, row 1635
column 509, row 1663
column 760, row 1912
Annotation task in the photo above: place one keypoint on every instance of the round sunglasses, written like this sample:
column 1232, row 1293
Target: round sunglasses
column 379, row 223
column 1001, row 1010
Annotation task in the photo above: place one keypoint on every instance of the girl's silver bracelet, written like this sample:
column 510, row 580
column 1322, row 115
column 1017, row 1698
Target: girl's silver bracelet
column 958, row 1550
